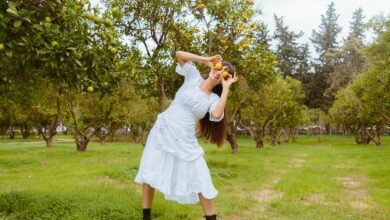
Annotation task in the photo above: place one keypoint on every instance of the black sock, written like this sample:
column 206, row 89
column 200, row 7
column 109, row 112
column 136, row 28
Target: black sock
column 210, row 217
column 147, row 213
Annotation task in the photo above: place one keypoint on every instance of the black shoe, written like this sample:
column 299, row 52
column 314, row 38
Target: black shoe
column 212, row 217
column 147, row 214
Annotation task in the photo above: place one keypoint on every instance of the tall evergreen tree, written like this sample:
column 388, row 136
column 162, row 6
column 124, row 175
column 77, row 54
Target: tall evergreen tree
column 287, row 48
column 357, row 24
column 325, row 39
column 352, row 61
column 325, row 42
column 303, row 66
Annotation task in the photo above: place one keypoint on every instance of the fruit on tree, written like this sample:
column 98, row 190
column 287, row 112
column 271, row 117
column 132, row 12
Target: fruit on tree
column 107, row 21
column 200, row 6
column 113, row 50
column 115, row 12
column 54, row 43
column 90, row 89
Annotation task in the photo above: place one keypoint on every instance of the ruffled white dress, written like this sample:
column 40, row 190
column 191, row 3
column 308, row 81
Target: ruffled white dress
column 172, row 161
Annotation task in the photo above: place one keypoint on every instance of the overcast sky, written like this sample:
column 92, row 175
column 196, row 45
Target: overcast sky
column 305, row 15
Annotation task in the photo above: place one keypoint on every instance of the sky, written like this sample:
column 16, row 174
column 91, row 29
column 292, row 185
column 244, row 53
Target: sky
column 305, row 15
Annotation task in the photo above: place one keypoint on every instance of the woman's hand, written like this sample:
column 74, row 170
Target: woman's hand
column 211, row 61
column 226, row 83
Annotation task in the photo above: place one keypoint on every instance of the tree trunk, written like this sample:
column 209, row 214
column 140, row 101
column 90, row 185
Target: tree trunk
column 161, row 97
column 101, row 135
column 25, row 130
column 319, row 134
column 374, row 135
column 102, row 139
column 361, row 136
column 273, row 135
column 259, row 142
column 49, row 142
column 278, row 136
column 327, row 128
column 11, row 133
column 82, row 143
column 232, row 137
column 81, row 138
column 48, row 138
column 111, row 134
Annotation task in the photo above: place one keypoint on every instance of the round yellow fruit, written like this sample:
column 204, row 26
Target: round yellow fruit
column 105, row 84
column 96, row 19
column 1, row 47
column 82, row 3
column 274, row 62
column 107, row 21
column 113, row 50
column 218, row 66
column 115, row 12
column 48, row 19
column 54, row 43
column 225, row 74
column 200, row 6
column 90, row 89
column 245, row 45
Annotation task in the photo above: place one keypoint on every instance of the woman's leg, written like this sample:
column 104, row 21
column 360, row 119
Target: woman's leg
column 207, row 205
column 147, row 196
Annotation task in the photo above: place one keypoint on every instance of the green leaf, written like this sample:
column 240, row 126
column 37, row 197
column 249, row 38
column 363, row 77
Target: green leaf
column 27, row 19
column 24, row 39
column 9, row 53
column 43, row 52
column 17, row 23
column 72, row 49
column 78, row 62
column 12, row 12
column 12, row 5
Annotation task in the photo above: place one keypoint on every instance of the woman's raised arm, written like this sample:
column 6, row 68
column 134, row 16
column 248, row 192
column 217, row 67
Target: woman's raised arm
column 183, row 57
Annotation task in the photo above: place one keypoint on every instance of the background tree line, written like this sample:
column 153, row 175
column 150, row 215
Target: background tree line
column 102, row 71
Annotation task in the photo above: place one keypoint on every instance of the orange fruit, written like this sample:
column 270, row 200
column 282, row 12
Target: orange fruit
column 200, row 6
column 218, row 66
column 225, row 74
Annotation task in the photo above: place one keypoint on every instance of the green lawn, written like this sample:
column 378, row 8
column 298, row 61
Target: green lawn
column 334, row 179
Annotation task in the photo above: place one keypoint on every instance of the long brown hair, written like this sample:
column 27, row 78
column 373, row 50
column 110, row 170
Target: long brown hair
column 213, row 131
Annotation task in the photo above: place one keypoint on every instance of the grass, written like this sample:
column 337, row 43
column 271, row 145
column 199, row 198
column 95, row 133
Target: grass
column 331, row 179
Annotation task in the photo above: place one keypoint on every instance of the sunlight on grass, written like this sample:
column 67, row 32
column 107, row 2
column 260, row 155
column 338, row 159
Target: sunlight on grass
column 333, row 179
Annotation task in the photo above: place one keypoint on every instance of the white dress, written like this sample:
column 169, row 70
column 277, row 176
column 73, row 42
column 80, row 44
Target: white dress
column 172, row 161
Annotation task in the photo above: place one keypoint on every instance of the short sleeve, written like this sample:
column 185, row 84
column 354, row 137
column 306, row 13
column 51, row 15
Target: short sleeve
column 189, row 71
column 212, row 108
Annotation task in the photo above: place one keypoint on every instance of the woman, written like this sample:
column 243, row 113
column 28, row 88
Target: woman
column 172, row 161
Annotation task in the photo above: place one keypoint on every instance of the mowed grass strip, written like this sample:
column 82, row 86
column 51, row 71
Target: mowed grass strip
column 331, row 179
